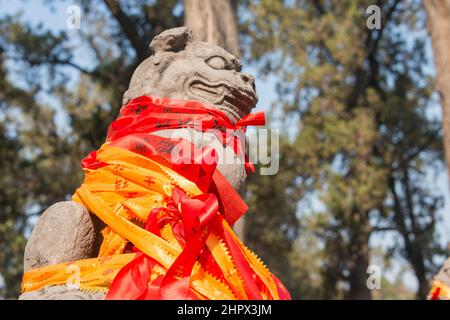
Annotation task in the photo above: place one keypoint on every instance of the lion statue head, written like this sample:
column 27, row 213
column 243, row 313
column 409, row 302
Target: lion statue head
column 181, row 68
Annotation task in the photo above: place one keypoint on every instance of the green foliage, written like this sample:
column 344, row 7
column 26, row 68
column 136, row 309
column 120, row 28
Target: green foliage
column 365, row 143
column 55, row 108
column 271, row 225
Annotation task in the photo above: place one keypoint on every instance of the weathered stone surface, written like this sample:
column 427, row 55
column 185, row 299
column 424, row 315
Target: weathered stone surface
column 181, row 68
column 65, row 232
column 229, row 164
column 61, row 293
column 444, row 273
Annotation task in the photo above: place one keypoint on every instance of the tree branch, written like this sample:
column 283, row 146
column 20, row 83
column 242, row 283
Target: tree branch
column 128, row 28
column 318, row 6
column 386, row 18
column 383, row 229
column 362, row 81
column 91, row 73
column 422, row 148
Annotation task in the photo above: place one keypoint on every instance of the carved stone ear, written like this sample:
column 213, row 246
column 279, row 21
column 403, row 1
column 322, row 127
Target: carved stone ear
column 173, row 40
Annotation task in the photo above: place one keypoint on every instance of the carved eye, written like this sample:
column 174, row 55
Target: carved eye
column 217, row 62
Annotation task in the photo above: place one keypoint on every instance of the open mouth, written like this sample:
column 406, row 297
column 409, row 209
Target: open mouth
column 235, row 101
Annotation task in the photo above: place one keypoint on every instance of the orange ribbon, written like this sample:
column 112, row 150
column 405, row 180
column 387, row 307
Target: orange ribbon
column 176, row 217
column 196, row 215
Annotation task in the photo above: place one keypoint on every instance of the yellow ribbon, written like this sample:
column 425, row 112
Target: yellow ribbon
column 122, row 194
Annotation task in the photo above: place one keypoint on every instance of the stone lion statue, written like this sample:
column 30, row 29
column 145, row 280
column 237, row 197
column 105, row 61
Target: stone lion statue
column 178, row 68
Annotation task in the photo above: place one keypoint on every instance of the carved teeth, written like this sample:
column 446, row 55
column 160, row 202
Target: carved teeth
column 236, row 101
column 202, row 88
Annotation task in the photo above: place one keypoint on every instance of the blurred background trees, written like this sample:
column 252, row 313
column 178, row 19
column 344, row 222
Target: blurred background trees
column 361, row 144
column 439, row 29
column 359, row 98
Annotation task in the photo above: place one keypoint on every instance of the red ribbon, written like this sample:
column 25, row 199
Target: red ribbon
column 435, row 295
column 147, row 114
column 196, row 215
column 192, row 219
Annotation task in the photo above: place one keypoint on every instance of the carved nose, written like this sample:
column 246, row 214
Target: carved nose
column 249, row 79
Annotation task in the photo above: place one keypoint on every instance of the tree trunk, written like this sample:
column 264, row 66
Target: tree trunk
column 417, row 260
column 358, row 277
column 359, row 264
column 413, row 251
column 213, row 21
column 438, row 13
